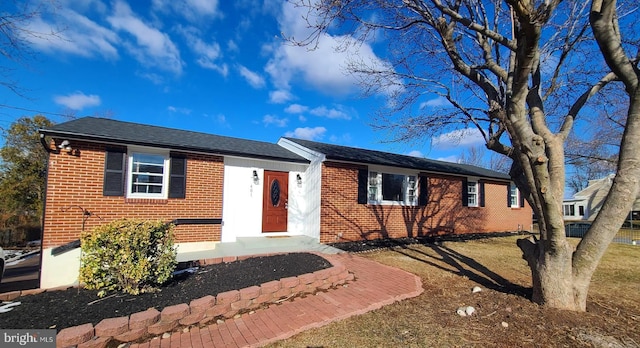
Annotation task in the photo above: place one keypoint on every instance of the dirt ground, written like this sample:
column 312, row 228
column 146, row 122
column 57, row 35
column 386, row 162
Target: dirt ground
column 504, row 317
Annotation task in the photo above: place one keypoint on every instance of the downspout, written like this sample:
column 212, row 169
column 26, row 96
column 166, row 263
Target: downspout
column 44, row 202
column 46, row 146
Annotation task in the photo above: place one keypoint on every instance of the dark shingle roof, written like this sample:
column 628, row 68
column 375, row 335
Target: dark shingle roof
column 127, row 133
column 351, row 154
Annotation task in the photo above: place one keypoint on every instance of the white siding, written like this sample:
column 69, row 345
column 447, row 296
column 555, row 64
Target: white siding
column 312, row 183
column 242, row 198
column 59, row 270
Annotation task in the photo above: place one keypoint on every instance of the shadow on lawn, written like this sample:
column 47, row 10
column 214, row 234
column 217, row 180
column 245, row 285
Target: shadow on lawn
column 463, row 266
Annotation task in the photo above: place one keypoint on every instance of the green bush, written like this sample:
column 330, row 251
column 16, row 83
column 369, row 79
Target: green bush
column 131, row 255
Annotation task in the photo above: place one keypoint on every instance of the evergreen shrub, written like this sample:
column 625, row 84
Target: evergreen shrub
column 129, row 255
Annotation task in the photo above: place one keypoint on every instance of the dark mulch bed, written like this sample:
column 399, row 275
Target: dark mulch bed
column 71, row 307
column 376, row 244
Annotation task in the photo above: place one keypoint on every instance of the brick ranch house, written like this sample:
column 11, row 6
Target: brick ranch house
column 217, row 189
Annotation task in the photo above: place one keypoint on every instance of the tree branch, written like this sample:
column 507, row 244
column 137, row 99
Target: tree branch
column 569, row 119
column 605, row 28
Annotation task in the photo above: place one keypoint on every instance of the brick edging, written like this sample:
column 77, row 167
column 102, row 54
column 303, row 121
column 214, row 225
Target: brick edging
column 207, row 309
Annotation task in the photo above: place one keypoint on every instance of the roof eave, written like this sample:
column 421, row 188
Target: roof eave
column 349, row 160
column 124, row 142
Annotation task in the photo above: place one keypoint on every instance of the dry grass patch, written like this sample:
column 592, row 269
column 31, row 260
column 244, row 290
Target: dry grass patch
column 449, row 272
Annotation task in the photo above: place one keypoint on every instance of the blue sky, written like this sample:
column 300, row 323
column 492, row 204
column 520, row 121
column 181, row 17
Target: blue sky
column 202, row 65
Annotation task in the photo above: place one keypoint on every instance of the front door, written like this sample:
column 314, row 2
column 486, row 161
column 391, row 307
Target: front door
column 274, row 201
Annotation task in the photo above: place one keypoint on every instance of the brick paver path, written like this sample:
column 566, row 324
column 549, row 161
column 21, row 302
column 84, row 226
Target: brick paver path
column 376, row 285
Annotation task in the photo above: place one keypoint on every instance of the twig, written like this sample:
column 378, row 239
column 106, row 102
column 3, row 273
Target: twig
column 98, row 300
column 490, row 314
column 284, row 299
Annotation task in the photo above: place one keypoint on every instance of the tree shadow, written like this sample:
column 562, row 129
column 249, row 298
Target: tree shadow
column 343, row 220
column 463, row 266
column 398, row 227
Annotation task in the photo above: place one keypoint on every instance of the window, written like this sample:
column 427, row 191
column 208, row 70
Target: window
column 514, row 196
column 387, row 188
column 581, row 210
column 148, row 175
column 472, row 193
column 569, row 209
column 144, row 174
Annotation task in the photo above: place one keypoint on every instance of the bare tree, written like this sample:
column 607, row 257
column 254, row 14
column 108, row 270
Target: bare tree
column 519, row 71
column 593, row 154
column 16, row 34
column 477, row 156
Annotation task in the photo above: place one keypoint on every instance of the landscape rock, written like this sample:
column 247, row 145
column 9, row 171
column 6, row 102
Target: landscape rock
column 465, row 311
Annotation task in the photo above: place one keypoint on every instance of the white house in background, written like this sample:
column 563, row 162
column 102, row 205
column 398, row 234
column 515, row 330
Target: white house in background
column 585, row 204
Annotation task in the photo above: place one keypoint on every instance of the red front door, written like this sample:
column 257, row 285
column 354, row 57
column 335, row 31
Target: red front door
column 274, row 201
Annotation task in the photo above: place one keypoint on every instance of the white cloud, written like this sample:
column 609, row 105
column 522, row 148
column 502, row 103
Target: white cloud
column 415, row 153
column 307, row 133
column 208, row 53
column 75, row 34
column 436, row 102
column 322, row 68
column 77, row 100
column 452, row 159
column 296, row 109
column 151, row 47
column 467, row 137
column 274, row 120
column 232, row 46
column 193, row 10
column 323, row 111
column 255, row 80
column 340, row 139
column 85, row 5
column 218, row 119
column 280, row 96
column 179, row 110
column 153, row 77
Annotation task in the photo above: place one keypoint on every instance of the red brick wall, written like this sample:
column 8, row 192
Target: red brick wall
column 75, row 183
column 342, row 219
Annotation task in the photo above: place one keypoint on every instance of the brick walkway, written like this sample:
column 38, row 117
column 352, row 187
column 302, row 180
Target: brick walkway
column 376, row 285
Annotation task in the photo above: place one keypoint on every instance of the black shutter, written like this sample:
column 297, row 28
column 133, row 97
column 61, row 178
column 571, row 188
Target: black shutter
column 481, row 192
column 114, row 170
column 465, row 193
column 423, row 193
column 363, row 185
column 509, row 195
column 178, row 177
column 521, row 200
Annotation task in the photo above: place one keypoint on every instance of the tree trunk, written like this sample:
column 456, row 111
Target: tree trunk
column 561, row 274
column 552, row 279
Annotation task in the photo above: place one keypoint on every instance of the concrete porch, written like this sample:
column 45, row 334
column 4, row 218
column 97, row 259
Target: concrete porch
column 260, row 245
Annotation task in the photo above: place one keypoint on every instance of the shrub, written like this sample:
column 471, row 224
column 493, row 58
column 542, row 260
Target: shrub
column 131, row 255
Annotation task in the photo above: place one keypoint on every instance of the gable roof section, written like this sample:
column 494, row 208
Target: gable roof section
column 127, row 133
column 352, row 154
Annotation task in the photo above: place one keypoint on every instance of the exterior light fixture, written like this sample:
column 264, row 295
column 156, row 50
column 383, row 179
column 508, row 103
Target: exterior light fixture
column 299, row 179
column 256, row 179
column 66, row 146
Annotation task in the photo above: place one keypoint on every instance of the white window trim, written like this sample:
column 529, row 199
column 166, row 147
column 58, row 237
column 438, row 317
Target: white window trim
column 476, row 194
column 517, row 205
column 568, row 206
column 165, row 173
column 392, row 171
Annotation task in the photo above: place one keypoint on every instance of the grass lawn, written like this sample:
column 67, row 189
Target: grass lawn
column 505, row 317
